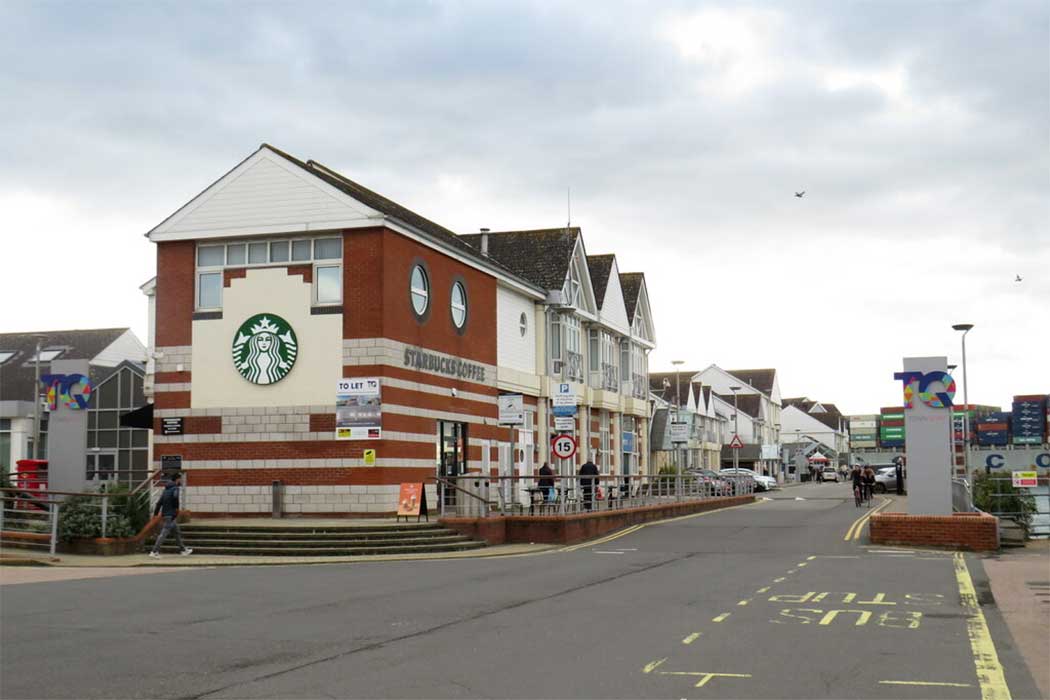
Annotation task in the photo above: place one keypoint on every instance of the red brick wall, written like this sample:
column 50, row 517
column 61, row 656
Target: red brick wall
column 175, row 292
column 370, row 476
column 195, row 425
column 976, row 532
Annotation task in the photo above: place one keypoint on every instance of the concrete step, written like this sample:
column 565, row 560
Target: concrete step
column 309, row 534
column 378, row 527
column 345, row 542
column 329, row 551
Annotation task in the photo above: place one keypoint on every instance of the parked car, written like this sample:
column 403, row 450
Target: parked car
column 719, row 485
column 762, row 482
column 885, row 479
column 829, row 474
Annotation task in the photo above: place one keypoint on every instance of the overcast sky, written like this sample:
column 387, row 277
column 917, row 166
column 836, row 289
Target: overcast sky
column 919, row 131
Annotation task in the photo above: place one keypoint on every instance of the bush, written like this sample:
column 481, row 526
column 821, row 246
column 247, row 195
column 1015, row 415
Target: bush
column 998, row 496
column 81, row 517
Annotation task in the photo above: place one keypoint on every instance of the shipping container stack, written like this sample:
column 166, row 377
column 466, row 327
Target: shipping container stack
column 993, row 430
column 891, row 427
column 1029, row 420
column 960, row 413
column 864, row 431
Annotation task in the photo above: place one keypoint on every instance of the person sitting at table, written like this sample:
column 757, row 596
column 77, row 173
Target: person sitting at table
column 546, row 482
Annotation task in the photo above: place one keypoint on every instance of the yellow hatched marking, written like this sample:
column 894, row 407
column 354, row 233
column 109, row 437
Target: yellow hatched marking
column 692, row 638
column 928, row 683
column 985, row 659
column 721, row 617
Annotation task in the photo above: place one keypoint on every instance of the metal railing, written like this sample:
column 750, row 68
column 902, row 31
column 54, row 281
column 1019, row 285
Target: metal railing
column 480, row 496
column 1029, row 507
column 30, row 516
column 962, row 499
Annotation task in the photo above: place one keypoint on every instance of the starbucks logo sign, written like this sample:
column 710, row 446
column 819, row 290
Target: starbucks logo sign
column 264, row 349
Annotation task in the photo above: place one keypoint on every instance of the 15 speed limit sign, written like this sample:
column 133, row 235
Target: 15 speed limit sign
column 564, row 446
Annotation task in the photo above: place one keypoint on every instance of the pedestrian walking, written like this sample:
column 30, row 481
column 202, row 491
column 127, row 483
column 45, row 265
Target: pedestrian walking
column 168, row 508
column 587, row 485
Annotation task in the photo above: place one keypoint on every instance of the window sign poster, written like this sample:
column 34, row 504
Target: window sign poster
column 358, row 409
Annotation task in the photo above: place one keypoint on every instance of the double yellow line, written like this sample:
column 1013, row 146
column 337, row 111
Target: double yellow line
column 858, row 525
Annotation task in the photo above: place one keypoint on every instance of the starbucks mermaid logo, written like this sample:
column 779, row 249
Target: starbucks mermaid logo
column 264, row 349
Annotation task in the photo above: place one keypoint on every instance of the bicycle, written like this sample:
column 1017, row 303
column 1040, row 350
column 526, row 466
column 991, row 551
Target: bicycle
column 858, row 495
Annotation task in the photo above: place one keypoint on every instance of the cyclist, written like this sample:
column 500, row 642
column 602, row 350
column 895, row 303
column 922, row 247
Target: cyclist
column 857, row 478
column 869, row 484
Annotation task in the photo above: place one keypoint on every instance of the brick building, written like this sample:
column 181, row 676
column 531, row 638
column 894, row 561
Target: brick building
column 307, row 330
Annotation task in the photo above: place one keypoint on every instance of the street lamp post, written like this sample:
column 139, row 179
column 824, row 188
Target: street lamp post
column 965, row 328
column 776, row 441
column 678, row 408
column 796, row 452
column 36, row 399
column 736, row 432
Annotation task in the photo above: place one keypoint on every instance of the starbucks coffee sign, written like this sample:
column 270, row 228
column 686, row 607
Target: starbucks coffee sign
column 264, row 349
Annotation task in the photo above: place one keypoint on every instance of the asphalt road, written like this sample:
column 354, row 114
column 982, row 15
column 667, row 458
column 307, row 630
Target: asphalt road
column 763, row 601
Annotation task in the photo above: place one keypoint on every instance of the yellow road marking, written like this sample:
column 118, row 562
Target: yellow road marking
column 792, row 571
column 692, row 638
column 635, row 528
column 947, row 685
column 811, row 558
column 801, row 564
column 721, row 617
column 762, row 590
column 860, row 521
column 778, row 580
column 652, row 666
column 985, row 659
column 860, row 528
column 744, row 602
column 704, row 676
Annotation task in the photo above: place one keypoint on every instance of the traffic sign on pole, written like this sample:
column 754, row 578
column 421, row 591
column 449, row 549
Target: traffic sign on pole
column 563, row 446
column 736, row 443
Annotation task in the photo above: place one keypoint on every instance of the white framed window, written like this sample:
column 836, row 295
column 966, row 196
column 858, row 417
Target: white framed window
column 46, row 355
column 593, row 350
column 555, row 337
column 328, row 284
column 279, row 251
column 5, row 355
column 328, row 248
column 523, row 324
column 301, row 250
column 209, row 290
column 236, row 254
column 419, row 290
column 459, row 305
column 258, row 253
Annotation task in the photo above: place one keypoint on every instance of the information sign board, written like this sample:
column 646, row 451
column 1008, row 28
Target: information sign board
column 511, row 409
column 358, row 409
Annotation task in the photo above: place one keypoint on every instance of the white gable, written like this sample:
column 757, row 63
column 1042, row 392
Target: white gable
column 265, row 193
column 614, row 311
column 126, row 347
column 583, row 296
column 643, row 321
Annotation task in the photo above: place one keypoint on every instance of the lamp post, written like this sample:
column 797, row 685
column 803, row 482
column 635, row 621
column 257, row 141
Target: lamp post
column 776, row 441
column 677, row 407
column 736, row 431
column 965, row 328
column 36, row 399
column 796, row 452
column 951, row 425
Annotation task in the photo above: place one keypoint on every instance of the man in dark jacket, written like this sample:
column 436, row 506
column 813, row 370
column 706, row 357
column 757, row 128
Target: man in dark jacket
column 587, row 485
column 168, row 508
column 546, row 482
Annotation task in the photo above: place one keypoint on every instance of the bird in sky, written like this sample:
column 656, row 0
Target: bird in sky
column 800, row 194
column 1017, row 278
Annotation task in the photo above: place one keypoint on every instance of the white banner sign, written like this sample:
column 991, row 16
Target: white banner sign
column 565, row 423
column 511, row 409
column 679, row 432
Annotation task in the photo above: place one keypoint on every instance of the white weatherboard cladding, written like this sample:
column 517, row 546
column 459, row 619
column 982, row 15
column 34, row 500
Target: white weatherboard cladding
column 126, row 347
column 216, row 382
column 266, row 194
column 513, row 350
column 614, row 310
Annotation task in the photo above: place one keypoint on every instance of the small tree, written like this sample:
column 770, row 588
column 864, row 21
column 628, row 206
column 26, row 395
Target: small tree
column 997, row 495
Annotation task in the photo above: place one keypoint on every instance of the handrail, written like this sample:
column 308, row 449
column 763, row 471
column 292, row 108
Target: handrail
column 93, row 494
column 441, row 480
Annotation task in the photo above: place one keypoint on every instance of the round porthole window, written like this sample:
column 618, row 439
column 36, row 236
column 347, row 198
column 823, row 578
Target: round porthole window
column 523, row 324
column 459, row 305
column 420, row 290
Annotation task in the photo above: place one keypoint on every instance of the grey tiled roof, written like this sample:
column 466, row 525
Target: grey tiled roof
column 600, row 266
column 16, row 374
column 761, row 379
column 540, row 256
column 631, row 283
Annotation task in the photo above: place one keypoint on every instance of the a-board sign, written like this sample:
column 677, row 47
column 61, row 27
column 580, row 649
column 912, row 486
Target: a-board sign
column 171, row 463
column 511, row 409
column 563, row 446
column 1025, row 479
column 171, row 426
column 565, row 423
column 412, row 500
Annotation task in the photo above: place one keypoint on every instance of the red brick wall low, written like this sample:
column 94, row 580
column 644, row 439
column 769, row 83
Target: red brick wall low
column 569, row 529
column 978, row 532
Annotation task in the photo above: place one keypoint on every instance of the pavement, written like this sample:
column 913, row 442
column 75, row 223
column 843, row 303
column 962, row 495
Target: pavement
column 775, row 599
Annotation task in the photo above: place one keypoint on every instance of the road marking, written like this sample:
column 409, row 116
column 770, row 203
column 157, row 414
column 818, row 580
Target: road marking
column 762, row 590
column 603, row 540
column 860, row 528
column 792, row 571
column 839, row 556
column 801, row 564
column 849, row 532
column 985, row 659
column 692, row 638
column 721, row 617
column 933, row 683
column 601, row 552
column 811, row 557
column 743, row 602
column 652, row 666
column 704, row 676
column 778, row 580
